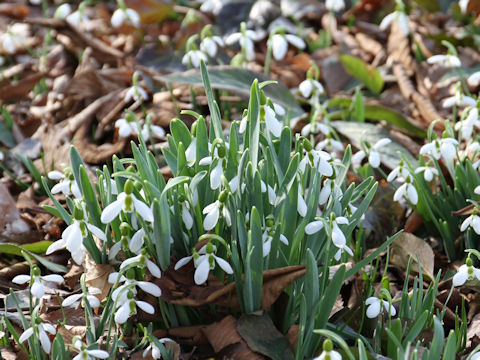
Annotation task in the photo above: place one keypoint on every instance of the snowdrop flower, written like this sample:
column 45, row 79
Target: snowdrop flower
column 78, row 18
column 213, row 212
column 126, row 128
column 67, row 184
column 210, row 43
column 328, row 352
column 466, row 126
column 40, row 329
column 330, row 189
column 129, row 308
column 371, row 152
column 12, row 40
column 73, row 301
column 374, row 307
column 310, row 87
column 155, row 351
column 125, row 15
column 428, row 172
column 204, row 261
column 459, row 99
column 245, row 38
column 2, row 156
column 126, row 202
column 477, row 190
column 466, row 272
column 474, row 79
column 193, row 58
column 314, row 227
column 86, row 354
column 463, row 7
column 156, row 131
column 400, row 172
column 73, row 235
column 136, row 93
column 472, row 221
column 315, row 127
column 63, row 11
column 330, row 145
column 438, row 148
column 269, row 114
column 187, row 217
column 445, row 60
column 143, row 261
column 406, row 191
column 279, row 43
column 134, row 243
column 220, row 152
column 335, row 5
column 399, row 16
column 301, row 204
column 36, row 281
column 119, row 295
column 338, row 237
column 317, row 159
column 268, row 235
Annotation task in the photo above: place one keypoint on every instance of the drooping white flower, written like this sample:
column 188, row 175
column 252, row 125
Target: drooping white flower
column 267, row 238
column 14, row 38
column 193, row 58
column 272, row 124
column 144, row 261
column 279, row 44
column 407, row 191
column 445, row 60
column 36, row 281
column 329, row 355
column 314, row 128
column 371, row 152
column 63, row 11
column 375, row 306
column 301, row 204
column 314, row 227
column 438, row 148
column 246, row 40
column 40, row 331
column 466, row 126
column 156, row 131
column 428, row 172
column 335, row 5
column 330, row 189
column 317, row 159
column 213, row 213
column 474, row 79
column 73, row 301
column 210, row 44
column 86, row 354
column 155, row 351
column 400, row 172
column 338, row 237
column 129, row 307
column 119, row 295
column 471, row 221
column 466, row 272
column 204, row 261
column 330, row 145
column 310, row 87
column 126, row 128
column 128, row 203
column 136, row 93
column 127, row 15
column 67, row 184
column 477, row 190
column 400, row 17
column 78, row 19
column 459, row 99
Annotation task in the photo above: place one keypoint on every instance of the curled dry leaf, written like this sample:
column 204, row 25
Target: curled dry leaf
column 10, row 220
column 96, row 275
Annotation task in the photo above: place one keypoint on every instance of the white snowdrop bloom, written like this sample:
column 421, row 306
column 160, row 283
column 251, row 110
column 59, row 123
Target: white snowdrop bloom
column 467, row 125
column 330, row 189
column 428, row 172
column 445, row 60
column 126, row 128
column 477, row 190
column 14, row 38
column 67, row 184
column 438, row 148
column 375, row 306
column 338, row 237
column 156, row 131
column 351, row 210
column 119, row 295
column 371, row 152
column 144, row 261
column 126, row 202
column 301, row 204
column 314, row 227
column 204, row 261
column 40, row 330
column 187, row 217
column 137, row 93
column 400, row 172
column 113, row 186
column 330, row 145
column 245, row 39
column 267, row 238
column 272, row 124
column 73, row 235
column 407, row 191
column 193, row 58
column 86, row 354
column 476, row 355
column 36, row 281
column 73, row 301
column 129, row 308
column 338, row 254
column 191, row 152
column 400, row 17
column 471, row 221
column 2, row 156
column 329, row 355
column 210, row 44
column 63, row 11
column 155, row 351
column 459, row 99
column 136, row 242
column 317, row 159
column 280, row 44
column 335, row 5
column 35, row 2
column 310, row 87
column 465, row 272
column 314, row 128
column 78, row 18
column 213, row 213
column 474, row 79
column 127, row 15
column 463, row 7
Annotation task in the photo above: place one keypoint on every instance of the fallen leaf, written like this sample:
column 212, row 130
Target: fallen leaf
column 10, row 220
column 96, row 275
column 407, row 245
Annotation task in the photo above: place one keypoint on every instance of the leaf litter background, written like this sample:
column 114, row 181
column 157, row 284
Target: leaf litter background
column 75, row 92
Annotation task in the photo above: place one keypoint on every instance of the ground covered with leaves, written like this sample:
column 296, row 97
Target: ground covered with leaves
column 239, row 179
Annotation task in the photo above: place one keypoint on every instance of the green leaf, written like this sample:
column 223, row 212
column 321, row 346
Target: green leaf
column 390, row 154
column 450, row 347
column 33, row 250
column 256, row 265
column 253, row 122
column 338, row 339
column 6, row 136
column 380, row 113
column 239, row 81
column 363, row 72
column 161, row 231
column 216, row 120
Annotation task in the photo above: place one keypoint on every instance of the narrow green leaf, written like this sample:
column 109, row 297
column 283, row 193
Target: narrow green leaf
column 216, row 120
column 363, row 72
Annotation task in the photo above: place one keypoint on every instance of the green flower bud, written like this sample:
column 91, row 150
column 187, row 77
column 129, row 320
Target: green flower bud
column 468, row 262
column 130, row 274
column 307, row 145
column 210, row 249
column 36, row 271
column 223, row 196
column 128, row 188
column 78, row 212
column 124, row 228
column 327, row 345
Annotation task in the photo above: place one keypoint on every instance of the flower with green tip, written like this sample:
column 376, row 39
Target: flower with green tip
column 36, row 281
column 40, row 329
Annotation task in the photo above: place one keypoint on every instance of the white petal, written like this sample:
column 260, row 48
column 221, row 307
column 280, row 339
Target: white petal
column 154, row 269
column 145, row 306
column 273, row 125
column 387, row 20
column 382, row 142
column 412, row 194
column 99, row 354
column 474, row 79
column 49, row 328
column 373, row 310
column 122, row 314
column 21, row 279
column 118, row 18
column 211, row 219
column 306, row 88
column 187, row 218
column 71, row 300
column 201, row 273
column 54, row 278
column 449, row 102
column 301, row 206
column 97, row 232
column 111, row 211
column 182, row 262
column 223, row 264
column 295, row 41
column 150, row 288
column 57, row 175
column 216, row 176
column 143, row 210
column 338, row 238
column 313, row 227
column 461, row 276
column 25, row 335
column 136, row 242
column 45, row 341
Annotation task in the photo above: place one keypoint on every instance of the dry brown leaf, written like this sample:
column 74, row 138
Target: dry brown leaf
column 18, row 90
column 398, row 48
column 407, row 245
column 9, row 354
column 10, row 220
column 427, row 111
column 96, row 275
